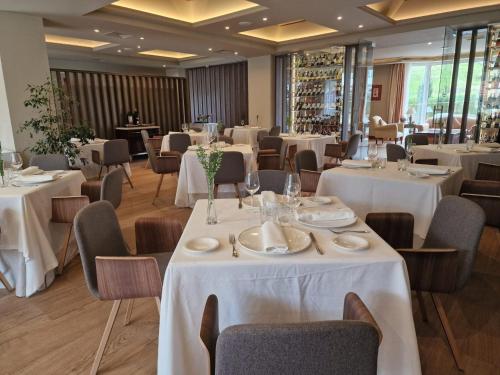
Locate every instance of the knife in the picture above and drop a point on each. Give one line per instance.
(315, 243)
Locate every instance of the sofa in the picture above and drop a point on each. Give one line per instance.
(380, 130)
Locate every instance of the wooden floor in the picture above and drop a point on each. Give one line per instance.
(57, 331)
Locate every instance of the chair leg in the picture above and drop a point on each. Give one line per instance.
(159, 186)
(421, 304)
(5, 282)
(128, 177)
(105, 336)
(62, 254)
(128, 312)
(237, 191)
(100, 173)
(447, 330)
(158, 304)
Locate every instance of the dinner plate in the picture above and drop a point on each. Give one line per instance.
(350, 243)
(315, 201)
(201, 245)
(327, 223)
(251, 240)
(418, 174)
(34, 179)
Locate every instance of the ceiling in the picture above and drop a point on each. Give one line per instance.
(187, 33)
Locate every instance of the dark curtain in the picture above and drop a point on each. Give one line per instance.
(283, 77)
(102, 99)
(220, 91)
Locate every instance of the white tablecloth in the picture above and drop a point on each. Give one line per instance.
(29, 240)
(305, 142)
(298, 288)
(447, 155)
(389, 190)
(192, 183)
(246, 135)
(200, 138)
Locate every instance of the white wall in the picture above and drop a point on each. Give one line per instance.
(261, 91)
(24, 60)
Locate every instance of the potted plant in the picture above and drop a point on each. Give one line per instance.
(53, 121)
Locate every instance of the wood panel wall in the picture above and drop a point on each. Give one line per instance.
(220, 91)
(103, 99)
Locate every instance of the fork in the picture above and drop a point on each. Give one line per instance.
(232, 241)
(348, 231)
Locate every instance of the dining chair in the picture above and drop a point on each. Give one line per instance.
(487, 195)
(155, 143)
(290, 156)
(168, 162)
(275, 131)
(269, 154)
(50, 162)
(226, 139)
(115, 153)
(395, 152)
(444, 262)
(272, 180)
(427, 161)
(261, 134)
(231, 171)
(348, 346)
(417, 139)
(108, 189)
(344, 150)
(110, 272)
(306, 166)
(3, 279)
(489, 172)
(334, 150)
(179, 142)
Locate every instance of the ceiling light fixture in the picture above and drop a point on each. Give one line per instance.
(96, 30)
(227, 27)
(164, 65)
(138, 47)
(339, 18)
(210, 49)
(361, 26)
(264, 19)
(119, 51)
(141, 38)
(235, 52)
(429, 43)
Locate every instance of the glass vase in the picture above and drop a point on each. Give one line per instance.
(211, 213)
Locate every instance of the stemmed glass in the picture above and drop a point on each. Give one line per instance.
(292, 191)
(16, 161)
(372, 152)
(252, 183)
(184, 128)
(212, 132)
(410, 151)
(242, 123)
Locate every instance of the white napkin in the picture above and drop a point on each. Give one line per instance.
(357, 163)
(267, 196)
(427, 170)
(320, 214)
(485, 149)
(490, 145)
(31, 170)
(35, 178)
(273, 238)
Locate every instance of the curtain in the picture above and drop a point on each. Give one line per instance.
(283, 75)
(220, 91)
(102, 99)
(396, 92)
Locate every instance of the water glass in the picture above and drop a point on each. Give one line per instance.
(469, 145)
(410, 151)
(292, 191)
(372, 152)
(381, 163)
(252, 184)
(402, 163)
(5, 179)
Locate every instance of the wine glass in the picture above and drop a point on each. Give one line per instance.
(212, 132)
(372, 152)
(292, 190)
(410, 151)
(184, 127)
(16, 161)
(252, 183)
(242, 123)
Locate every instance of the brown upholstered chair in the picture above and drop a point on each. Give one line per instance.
(109, 188)
(224, 138)
(315, 346)
(168, 162)
(290, 156)
(489, 172)
(306, 165)
(396, 228)
(155, 143)
(417, 139)
(4, 280)
(445, 261)
(155, 234)
(231, 171)
(269, 155)
(179, 142)
(343, 150)
(333, 151)
(427, 161)
(487, 195)
(115, 152)
(261, 134)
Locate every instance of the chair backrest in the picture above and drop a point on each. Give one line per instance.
(487, 195)
(395, 228)
(417, 139)
(271, 143)
(275, 131)
(111, 187)
(97, 233)
(115, 151)
(209, 329)
(272, 180)
(489, 172)
(457, 223)
(179, 142)
(50, 162)
(225, 138)
(232, 168)
(153, 158)
(306, 159)
(395, 152)
(156, 234)
(261, 134)
(319, 348)
(145, 136)
(352, 145)
(427, 161)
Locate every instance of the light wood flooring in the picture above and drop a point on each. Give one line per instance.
(58, 331)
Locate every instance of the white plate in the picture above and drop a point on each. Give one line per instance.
(318, 200)
(34, 179)
(201, 245)
(418, 174)
(251, 240)
(350, 243)
(328, 223)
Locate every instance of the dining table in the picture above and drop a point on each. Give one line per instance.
(457, 155)
(192, 182)
(266, 288)
(29, 240)
(389, 189)
(197, 138)
(315, 142)
(246, 134)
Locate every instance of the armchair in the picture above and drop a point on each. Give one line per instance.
(380, 130)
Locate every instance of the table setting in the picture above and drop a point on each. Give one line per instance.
(315, 142)
(197, 138)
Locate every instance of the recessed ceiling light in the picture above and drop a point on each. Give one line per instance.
(119, 51)
(361, 26)
(141, 38)
(235, 52)
(164, 65)
(227, 27)
(264, 19)
(138, 47)
(339, 18)
(96, 30)
(210, 49)
(429, 43)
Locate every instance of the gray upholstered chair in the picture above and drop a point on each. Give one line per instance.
(348, 346)
(269, 154)
(445, 261)
(395, 152)
(272, 180)
(50, 162)
(344, 150)
(417, 139)
(486, 194)
(489, 172)
(231, 171)
(225, 138)
(275, 131)
(168, 162)
(109, 188)
(110, 272)
(179, 142)
(261, 134)
(306, 165)
(115, 152)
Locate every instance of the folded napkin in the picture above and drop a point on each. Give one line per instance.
(273, 238)
(427, 170)
(321, 214)
(485, 149)
(31, 170)
(35, 178)
(357, 163)
(490, 145)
